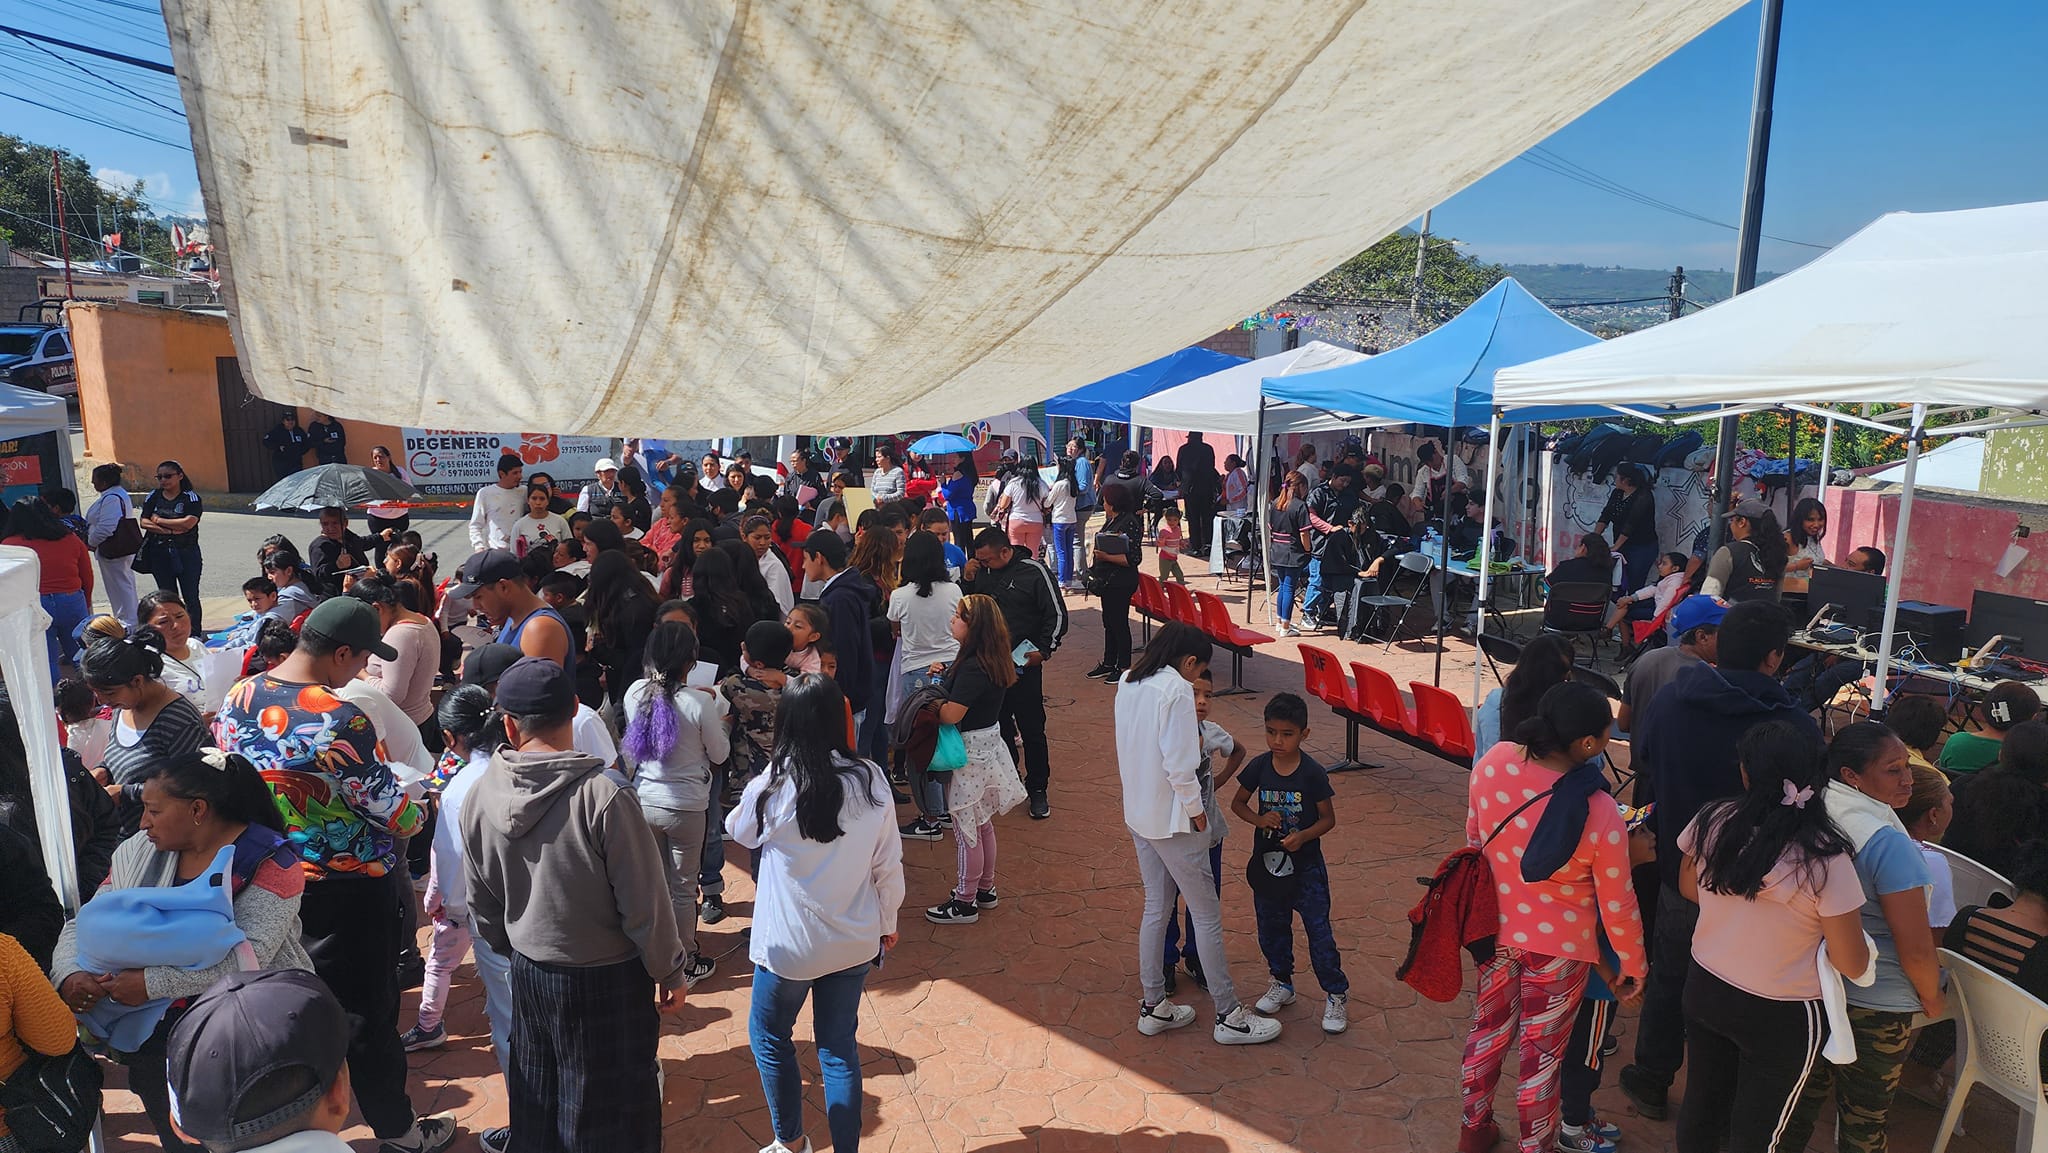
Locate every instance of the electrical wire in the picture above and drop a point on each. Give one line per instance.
(106, 124)
(114, 84)
(1557, 165)
(95, 244)
(89, 98)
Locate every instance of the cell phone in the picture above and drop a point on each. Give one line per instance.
(1023, 651)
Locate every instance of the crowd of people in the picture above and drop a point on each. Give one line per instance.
(745, 661)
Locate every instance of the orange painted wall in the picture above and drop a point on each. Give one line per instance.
(148, 389)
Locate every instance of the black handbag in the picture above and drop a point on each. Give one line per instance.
(51, 1102)
(125, 540)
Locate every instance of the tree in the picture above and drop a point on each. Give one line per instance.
(1370, 301)
(91, 210)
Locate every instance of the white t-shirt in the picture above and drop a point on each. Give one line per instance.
(1941, 903)
(527, 530)
(1022, 507)
(927, 624)
(1065, 508)
(1310, 473)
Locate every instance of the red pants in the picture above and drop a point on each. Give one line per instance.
(1544, 991)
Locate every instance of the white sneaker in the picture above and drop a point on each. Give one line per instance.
(1242, 1028)
(1336, 1013)
(776, 1146)
(1277, 994)
(1163, 1016)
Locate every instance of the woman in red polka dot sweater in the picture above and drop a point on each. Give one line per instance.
(1544, 793)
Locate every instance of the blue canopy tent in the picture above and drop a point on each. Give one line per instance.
(1110, 398)
(1446, 377)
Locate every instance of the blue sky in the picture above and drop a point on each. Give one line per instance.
(1881, 105)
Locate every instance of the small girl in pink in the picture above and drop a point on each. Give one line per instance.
(1548, 778)
(1169, 539)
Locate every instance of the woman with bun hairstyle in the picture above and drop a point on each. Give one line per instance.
(1976, 748)
(152, 721)
(1539, 811)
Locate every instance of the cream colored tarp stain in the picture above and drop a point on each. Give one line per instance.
(690, 218)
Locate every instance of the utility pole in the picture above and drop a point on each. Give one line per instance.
(63, 235)
(1750, 233)
(1677, 292)
(1421, 254)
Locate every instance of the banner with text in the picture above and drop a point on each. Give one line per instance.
(444, 460)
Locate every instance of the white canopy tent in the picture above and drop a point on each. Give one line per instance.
(1958, 465)
(708, 217)
(25, 412)
(1229, 402)
(1945, 311)
(25, 668)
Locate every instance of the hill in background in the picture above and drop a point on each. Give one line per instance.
(1559, 285)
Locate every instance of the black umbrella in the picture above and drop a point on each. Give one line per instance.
(334, 485)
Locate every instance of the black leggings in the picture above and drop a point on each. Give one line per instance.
(1116, 624)
(1748, 1058)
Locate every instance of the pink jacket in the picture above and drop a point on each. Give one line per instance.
(1557, 916)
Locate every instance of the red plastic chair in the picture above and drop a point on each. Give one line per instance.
(1150, 603)
(1323, 676)
(1179, 605)
(1379, 698)
(1215, 620)
(1441, 719)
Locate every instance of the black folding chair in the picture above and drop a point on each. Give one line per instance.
(1577, 608)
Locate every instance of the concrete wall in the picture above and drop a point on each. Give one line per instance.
(17, 287)
(2015, 464)
(149, 390)
(1955, 541)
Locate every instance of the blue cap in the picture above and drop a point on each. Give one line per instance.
(1696, 611)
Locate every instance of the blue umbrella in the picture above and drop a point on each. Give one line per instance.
(941, 442)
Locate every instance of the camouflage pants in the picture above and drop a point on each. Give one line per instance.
(1862, 1090)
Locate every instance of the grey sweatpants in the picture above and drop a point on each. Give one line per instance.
(1179, 866)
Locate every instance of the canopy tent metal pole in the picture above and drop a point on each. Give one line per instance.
(1827, 453)
(1443, 558)
(1485, 556)
(1265, 506)
(1892, 588)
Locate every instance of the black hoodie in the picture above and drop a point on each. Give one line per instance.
(1685, 740)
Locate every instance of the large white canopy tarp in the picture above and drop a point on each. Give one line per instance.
(738, 217)
(1228, 401)
(1945, 308)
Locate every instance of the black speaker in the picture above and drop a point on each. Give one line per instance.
(1937, 630)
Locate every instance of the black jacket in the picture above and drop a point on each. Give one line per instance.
(1029, 597)
(330, 441)
(1685, 739)
(29, 909)
(95, 826)
(846, 601)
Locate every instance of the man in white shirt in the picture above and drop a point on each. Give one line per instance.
(498, 508)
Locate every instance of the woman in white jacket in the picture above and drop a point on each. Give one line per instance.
(1158, 746)
(831, 882)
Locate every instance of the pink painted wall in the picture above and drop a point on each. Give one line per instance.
(1954, 545)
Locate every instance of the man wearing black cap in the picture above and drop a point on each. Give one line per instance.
(1029, 598)
(496, 583)
(343, 807)
(587, 924)
(846, 595)
(258, 1064)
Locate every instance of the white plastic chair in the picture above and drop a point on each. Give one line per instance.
(2002, 1026)
(1975, 884)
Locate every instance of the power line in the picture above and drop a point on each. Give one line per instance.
(131, 61)
(107, 124)
(131, 6)
(92, 99)
(1558, 165)
(97, 246)
(114, 84)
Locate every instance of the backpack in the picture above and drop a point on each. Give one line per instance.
(1458, 910)
(1675, 450)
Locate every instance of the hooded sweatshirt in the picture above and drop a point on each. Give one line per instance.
(563, 868)
(1687, 739)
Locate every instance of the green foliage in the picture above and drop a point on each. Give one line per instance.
(1386, 271)
(90, 209)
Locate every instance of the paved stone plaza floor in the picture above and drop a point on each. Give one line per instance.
(1018, 1033)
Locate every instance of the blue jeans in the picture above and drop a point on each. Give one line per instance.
(1063, 543)
(1275, 921)
(1312, 600)
(67, 611)
(1173, 929)
(835, 1013)
(496, 973)
(1284, 580)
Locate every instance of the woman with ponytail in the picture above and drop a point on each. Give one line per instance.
(198, 807)
(1540, 813)
(1773, 877)
(152, 721)
(674, 735)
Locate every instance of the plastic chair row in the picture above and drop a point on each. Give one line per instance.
(1162, 601)
(1436, 723)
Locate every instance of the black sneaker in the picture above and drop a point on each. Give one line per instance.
(923, 829)
(1040, 807)
(711, 910)
(984, 898)
(953, 912)
(1098, 670)
(429, 1135)
(1650, 1096)
(412, 971)
(696, 969)
(497, 1140)
(1109, 674)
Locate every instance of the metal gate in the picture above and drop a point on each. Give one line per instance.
(244, 418)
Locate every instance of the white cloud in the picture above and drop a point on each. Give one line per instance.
(155, 185)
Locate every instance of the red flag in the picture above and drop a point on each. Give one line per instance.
(178, 239)
(111, 242)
